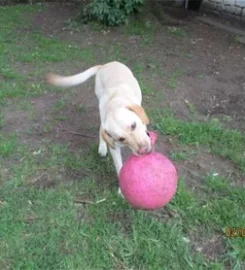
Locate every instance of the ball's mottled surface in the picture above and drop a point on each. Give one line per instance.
(148, 182)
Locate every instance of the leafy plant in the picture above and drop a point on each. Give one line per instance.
(111, 12)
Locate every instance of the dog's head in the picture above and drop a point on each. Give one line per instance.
(127, 126)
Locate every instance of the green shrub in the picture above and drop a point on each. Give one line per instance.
(14, 2)
(111, 12)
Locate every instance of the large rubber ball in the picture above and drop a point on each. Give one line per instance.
(148, 182)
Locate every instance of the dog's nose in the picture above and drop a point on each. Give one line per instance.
(142, 150)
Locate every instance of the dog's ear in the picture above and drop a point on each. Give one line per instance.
(140, 112)
(108, 139)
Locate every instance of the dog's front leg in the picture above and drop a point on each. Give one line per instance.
(102, 145)
(117, 159)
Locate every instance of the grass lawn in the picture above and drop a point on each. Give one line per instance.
(59, 207)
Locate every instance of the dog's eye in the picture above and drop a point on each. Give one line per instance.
(133, 126)
(121, 139)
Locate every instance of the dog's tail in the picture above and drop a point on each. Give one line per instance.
(68, 81)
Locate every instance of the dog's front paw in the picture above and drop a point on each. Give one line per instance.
(119, 192)
(103, 149)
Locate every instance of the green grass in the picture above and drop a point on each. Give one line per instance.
(113, 52)
(80, 108)
(7, 145)
(229, 200)
(21, 89)
(9, 74)
(221, 208)
(32, 49)
(62, 240)
(178, 155)
(176, 31)
(226, 143)
(191, 107)
(145, 87)
(13, 16)
(46, 49)
(41, 226)
(173, 78)
(140, 27)
(144, 29)
(138, 68)
(60, 104)
(1, 121)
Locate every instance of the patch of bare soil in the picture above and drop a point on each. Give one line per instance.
(194, 170)
(212, 247)
(51, 20)
(211, 62)
(79, 116)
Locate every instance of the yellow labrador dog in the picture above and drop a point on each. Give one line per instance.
(123, 120)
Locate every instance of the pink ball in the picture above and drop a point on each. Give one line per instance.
(148, 182)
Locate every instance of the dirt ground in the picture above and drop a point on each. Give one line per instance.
(214, 79)
(204, 66)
